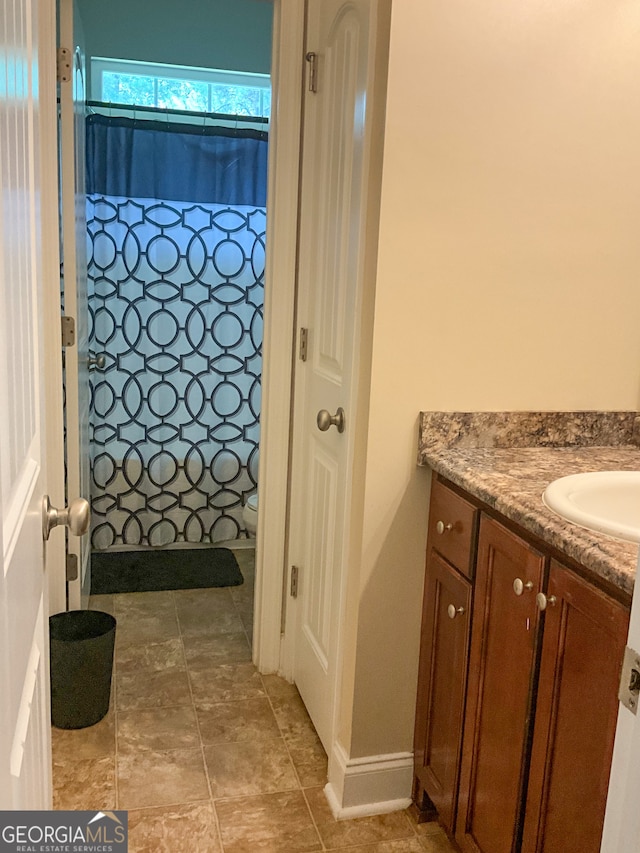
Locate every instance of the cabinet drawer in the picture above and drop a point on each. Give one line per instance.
(452, 525)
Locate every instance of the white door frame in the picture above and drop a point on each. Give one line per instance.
(271, 654)
(52, 357)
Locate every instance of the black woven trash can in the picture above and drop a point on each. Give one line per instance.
(81, 643)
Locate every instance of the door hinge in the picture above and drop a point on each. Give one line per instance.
(304, 344)
(63, 64)
(68, 331)
(293, 589)
(72, 567)
(312, 59)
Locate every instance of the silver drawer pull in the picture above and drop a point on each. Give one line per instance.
(519, 586)
(544, 601)
(453, 611)
(441, 527)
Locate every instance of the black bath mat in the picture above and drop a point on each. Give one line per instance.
(153, 570)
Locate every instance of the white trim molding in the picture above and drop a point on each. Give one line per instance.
(279, 314)
(374, 784)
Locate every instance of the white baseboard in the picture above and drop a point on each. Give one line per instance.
(375, 784)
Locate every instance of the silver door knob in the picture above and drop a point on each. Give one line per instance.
(98, 361)
(453, 611)
(441, 527)
(77, 517)
(325, 420)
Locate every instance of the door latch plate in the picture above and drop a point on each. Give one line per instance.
(629, 693)
(72, 567)
(293, 589)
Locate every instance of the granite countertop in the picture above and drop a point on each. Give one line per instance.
(506, 460)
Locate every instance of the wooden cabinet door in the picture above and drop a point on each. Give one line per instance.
(584, 638)
(501, 668)
(441, 687)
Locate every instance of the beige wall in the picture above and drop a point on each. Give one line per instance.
(507, 273)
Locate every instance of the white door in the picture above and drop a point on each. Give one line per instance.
(74, 257)
(28, 259)
(341, 46)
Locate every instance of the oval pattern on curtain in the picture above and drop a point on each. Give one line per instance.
(176, 220)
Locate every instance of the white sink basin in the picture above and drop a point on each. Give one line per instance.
(606, 501)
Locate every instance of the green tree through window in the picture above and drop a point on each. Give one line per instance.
(170, 87)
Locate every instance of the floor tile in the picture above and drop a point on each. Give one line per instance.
(210, 624)
(144, 603)
(157, 729)
(279, 688)
(152, 689)
(190, 827)
(246, 558)
(106, 603)
(206, 652)
(209, 600)
(153, 656)
(271, 823)
(161, 777)
(248, 627)
(150, 675)
(87, 784)
(309, 759)
(145, 617)
(207, 612)
(230, 722)
(96, 741)
(292, 716)
(337, 834)
(437, 843)
(429, 827)
(241, 769)
(243, 596)
(405, 845)
(227, 683)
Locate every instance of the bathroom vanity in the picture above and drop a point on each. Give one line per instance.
(523, 634)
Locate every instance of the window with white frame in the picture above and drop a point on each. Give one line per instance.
(150, 84)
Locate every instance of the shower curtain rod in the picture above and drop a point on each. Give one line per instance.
(134, 108)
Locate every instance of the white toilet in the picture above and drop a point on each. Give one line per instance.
(250, 514)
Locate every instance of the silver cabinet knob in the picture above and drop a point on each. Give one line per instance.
(77, 517)
(98, 361)
(519, 586)
(453, 611)
(325, 420)
(543, 601)
(441, 527)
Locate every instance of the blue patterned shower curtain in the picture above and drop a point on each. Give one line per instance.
(176, 246)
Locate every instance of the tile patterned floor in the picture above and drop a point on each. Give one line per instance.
(207, 755)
